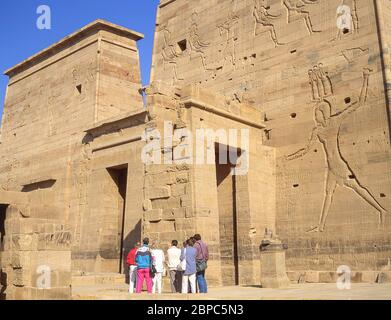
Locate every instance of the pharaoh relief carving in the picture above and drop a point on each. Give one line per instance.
(25, 115)
(264, 21)
(76, 76)
(11, 164)
(321, 86)
(227, 29)
(80, 183)
(21, 113)
(170, 55)
(53, 97)
(297, 10)
(339, 173)
(91, 71)
(82, 79)
(196, 44)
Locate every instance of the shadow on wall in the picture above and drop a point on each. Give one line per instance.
(39, 185)
(128, 243)
(3, 282)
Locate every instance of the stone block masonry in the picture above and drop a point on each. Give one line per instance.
(307, 100)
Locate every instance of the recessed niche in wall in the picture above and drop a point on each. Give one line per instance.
(79, 88)
(347, 100)
(293, 115)
(182, 45)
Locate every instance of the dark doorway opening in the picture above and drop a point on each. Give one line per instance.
(120, 176)
(3, 209)
(3, 276)
(226, 191)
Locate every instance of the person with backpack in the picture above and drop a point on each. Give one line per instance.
(201, 263)
(132, 267)
(144, 265)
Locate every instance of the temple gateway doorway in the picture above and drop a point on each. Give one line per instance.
(227, 206)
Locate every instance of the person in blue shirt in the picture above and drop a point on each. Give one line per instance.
(143, 260)
(189, 275)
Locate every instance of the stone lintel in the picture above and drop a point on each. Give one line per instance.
(191, 102)
(118, 122)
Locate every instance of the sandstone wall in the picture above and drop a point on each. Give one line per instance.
(112, 222)
(284, 58)
(52, 99)
(184, 194)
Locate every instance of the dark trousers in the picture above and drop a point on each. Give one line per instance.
(176, 281)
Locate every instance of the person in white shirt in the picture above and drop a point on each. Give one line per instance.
(158, 261)
(174, 255)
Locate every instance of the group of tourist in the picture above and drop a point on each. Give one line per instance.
(185, 265)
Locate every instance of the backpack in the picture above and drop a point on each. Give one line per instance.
(152, 268)
(201, 265)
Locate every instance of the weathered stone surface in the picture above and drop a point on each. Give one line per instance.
(168, 215)
(152, 180)
(158, 193)
(273, 270)
(154, 215)
(147, 204)
(311, 98)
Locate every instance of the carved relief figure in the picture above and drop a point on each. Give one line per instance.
(297, 11)
(50, 113)
(354, 53)
(227, 28)
(25, 115)
(339, 173)
(170, 55)
(320, 83)
(91, 71)
(314, 85)
(12, 164)
(264, 21)
(196, 44)
(75, 76)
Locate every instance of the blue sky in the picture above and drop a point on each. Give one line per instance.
(20, 38)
